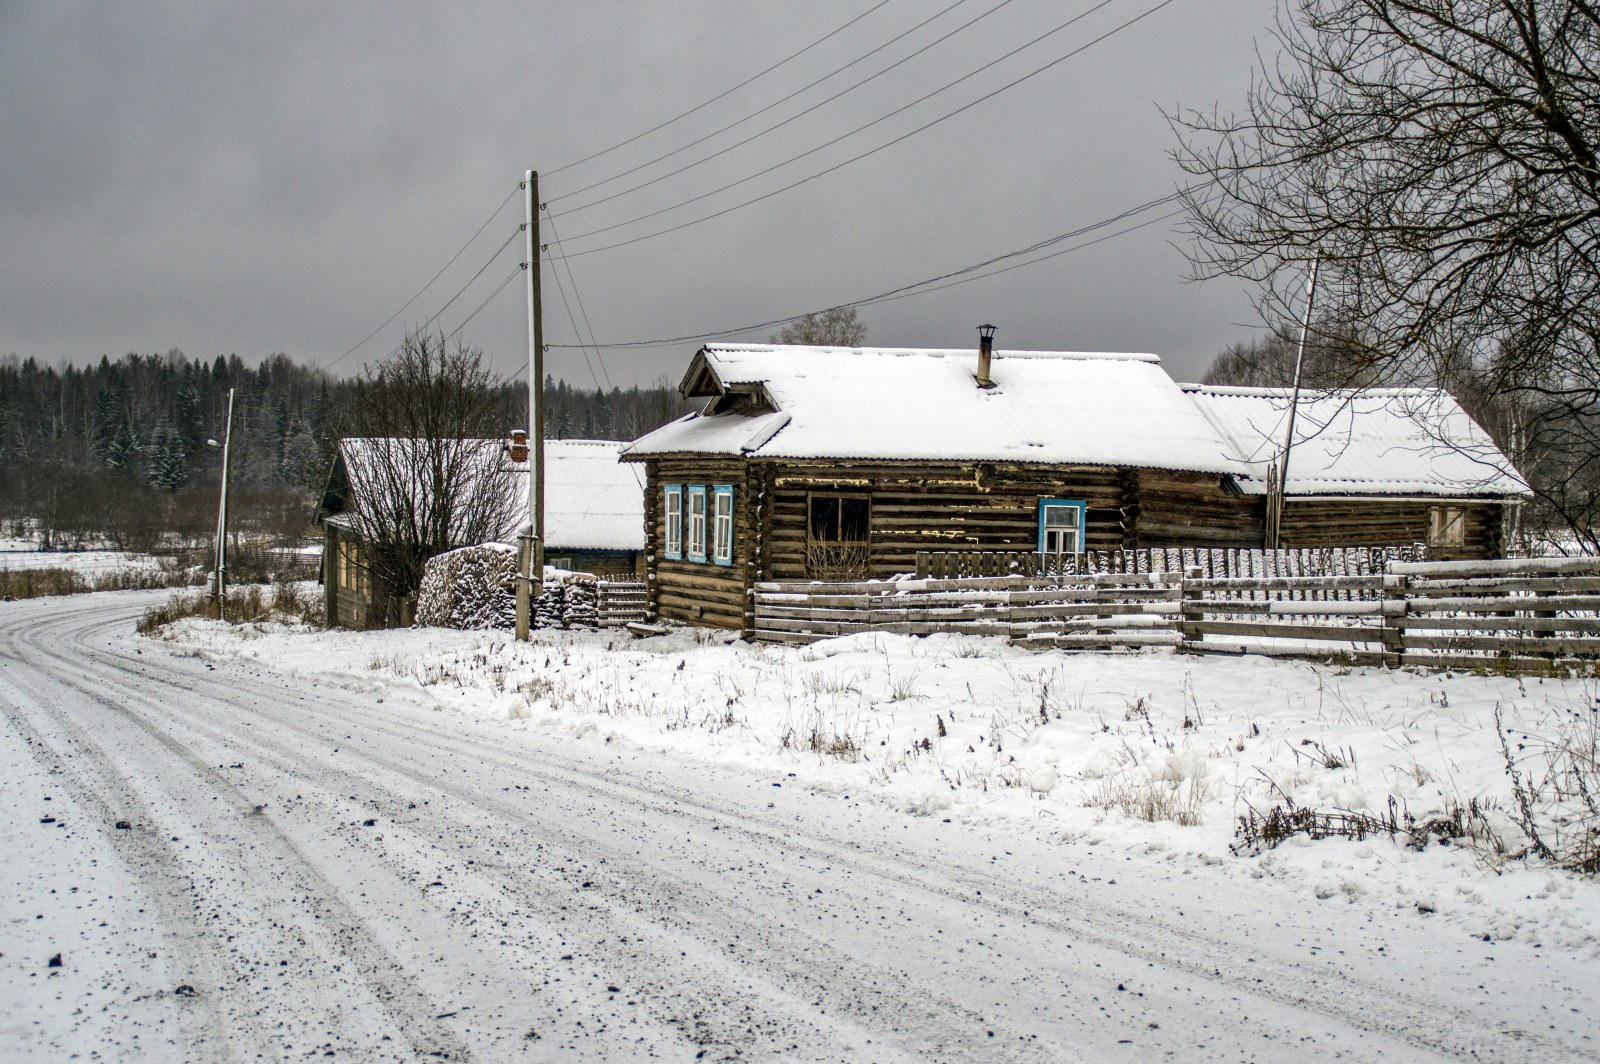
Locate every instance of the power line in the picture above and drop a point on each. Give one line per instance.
(958, 276)
(857, 158)
(845, 136)
(571, 277)
(436, 314)
(770, 106)
(719, 96)
(424, 288)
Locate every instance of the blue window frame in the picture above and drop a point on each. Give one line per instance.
(722, 524)
(672, 509)
(1061, 526)
(695, 549)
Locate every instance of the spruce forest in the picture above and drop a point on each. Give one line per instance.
(116, 452)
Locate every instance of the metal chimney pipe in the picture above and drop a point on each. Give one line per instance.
(985, 349)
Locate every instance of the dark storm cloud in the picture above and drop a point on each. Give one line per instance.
(263, 177)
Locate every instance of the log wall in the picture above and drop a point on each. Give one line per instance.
(701, 592)
(1380, 522)
(984, 506)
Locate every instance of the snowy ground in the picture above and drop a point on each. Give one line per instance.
(388, 843)
(22, 554)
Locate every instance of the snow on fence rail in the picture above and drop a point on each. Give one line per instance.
(1088, 611)
(1519, 615)
(1212, 561)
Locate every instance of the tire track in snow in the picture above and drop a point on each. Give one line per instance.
(1372, 1007)
(405, 1006)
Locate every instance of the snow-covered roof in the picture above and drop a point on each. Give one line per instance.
(592, 501)
(1383, 441)
(913, 404)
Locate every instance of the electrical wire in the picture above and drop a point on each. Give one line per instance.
(856, 158)
(572, 278)
(958, 276)
(770, 106)
(719, 96)
(461, 251)
(438, 313)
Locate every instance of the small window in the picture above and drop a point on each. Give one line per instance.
(1447, 526)
(673, 499)
(697, 522)
(837, 535)
(722, 524)
(1061, 526)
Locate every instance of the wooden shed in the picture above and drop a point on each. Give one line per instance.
(594, 518)
(844, 463)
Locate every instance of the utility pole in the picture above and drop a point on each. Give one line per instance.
(222, 514)
(1275, 513)
(530, 541)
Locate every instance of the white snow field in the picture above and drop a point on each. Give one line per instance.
(442, 845)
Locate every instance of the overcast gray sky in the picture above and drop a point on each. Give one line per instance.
(268, 177)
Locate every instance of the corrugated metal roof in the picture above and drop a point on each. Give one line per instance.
(1373, 441)
(1064, 408)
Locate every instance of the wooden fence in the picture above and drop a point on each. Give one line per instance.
(1089, 611)
(620, 602)
(1520, 615)
(1212, 561)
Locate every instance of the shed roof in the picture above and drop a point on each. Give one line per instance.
(1077, 408)
(1369, 441)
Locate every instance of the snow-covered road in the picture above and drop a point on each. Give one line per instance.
(306, 869)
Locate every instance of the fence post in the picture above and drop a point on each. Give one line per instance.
(1189, 593)
(1392, 621)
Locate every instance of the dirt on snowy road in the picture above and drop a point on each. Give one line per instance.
(233, 863)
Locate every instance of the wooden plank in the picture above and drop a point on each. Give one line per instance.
(1519, 566)
(1568, 584)
(798, 638)
(1523, 603)
(1288, 583)
(1515, 665)
(1353, 657)
(1280, 608)
(1337, 633)
(1534, 647)
(1575, 625)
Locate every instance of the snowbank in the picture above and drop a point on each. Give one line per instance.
(1156, 753)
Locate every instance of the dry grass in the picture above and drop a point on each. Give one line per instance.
(287, 602)
(38, 583)
(1179, 801)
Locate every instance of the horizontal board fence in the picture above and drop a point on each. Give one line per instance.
(620, 602)
(1089, 611)
(1212, 561)
(1524, 615)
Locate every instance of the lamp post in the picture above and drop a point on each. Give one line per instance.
(220, 578)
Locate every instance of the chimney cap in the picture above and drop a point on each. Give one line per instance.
(987, 331)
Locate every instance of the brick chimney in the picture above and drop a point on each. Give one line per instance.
(985, 349)
(519, 445)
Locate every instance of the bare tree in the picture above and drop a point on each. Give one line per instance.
(1335, 358)
(1440, 158)
(839, 327)
(422, 445)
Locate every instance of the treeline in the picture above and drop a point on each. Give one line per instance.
(117, 451)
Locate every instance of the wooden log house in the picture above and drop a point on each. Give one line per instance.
(816, 463)
(593, 515)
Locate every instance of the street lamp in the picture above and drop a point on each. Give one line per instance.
(220, 577)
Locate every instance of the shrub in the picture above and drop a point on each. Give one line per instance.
(1555, 783)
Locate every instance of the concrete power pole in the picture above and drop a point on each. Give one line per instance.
(1280, 476)
(530, 542)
